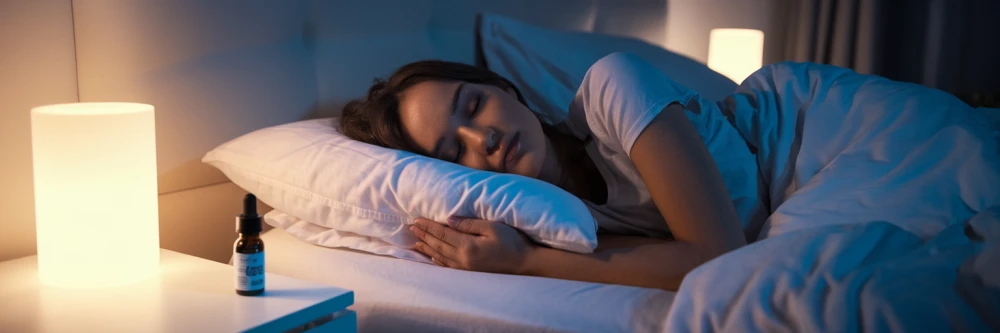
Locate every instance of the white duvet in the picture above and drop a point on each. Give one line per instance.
(870, 182)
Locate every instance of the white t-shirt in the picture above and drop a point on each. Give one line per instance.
(619, 96)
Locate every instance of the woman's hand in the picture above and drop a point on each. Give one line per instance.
(475, 245)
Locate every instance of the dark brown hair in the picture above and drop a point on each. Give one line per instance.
(375, 120)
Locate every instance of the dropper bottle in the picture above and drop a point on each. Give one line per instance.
(248, 252)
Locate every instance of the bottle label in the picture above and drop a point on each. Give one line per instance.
(249, 271)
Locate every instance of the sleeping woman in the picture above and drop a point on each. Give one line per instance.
(634, 146)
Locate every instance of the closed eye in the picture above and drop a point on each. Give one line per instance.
(476, 106)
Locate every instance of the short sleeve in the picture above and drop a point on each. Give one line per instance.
(621, 94)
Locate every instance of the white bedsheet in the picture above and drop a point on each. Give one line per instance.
(870, 181)
(393, 295)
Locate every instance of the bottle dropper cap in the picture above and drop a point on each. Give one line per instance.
(249, 221)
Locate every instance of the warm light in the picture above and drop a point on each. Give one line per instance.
(736, 53)
(95, 193)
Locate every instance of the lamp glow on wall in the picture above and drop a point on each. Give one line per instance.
(96, 209)
(736, 53)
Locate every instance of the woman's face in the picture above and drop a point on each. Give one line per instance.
(480, 126)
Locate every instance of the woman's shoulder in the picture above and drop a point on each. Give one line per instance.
(604, 93)
(616, 64)
(619, 96)
(624, 78)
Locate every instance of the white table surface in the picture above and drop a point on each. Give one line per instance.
(189, 295)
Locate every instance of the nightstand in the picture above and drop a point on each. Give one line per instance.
(189, 294)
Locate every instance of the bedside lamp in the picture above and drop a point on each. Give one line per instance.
(96, 209)
(736, 53)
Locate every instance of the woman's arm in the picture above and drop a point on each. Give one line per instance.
(616, 241)
(660, 265)
(689, 192)
(488, 246)
(685, 185)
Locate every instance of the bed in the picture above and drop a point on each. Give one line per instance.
(217, 70)
(394, 294)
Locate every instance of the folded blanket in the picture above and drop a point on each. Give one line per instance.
(838, 147)
(871, 182)
(871, 277)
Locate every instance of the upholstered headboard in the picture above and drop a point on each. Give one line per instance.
(217, 69)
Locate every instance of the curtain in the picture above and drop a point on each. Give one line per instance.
(952, 45)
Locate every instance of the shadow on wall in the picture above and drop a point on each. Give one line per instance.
(224, 95)
(326, 110)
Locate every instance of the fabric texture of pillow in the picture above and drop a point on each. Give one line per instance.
(326, 237)
(312, 172)
(548, 65)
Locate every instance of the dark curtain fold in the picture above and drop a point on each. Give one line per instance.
(952, 45)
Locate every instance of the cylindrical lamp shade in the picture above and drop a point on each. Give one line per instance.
(96, 211)
(736, 53)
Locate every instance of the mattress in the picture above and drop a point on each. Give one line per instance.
(399, 295)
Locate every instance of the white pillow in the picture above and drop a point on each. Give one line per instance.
(309, 170)
(322, 236)
(548, 65)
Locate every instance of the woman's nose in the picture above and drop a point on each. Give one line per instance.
(483, 141)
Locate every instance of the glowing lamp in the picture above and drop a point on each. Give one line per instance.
(736, 53)
(96, 210)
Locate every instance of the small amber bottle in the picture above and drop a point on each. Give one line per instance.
(248, 252)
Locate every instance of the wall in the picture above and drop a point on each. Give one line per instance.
(690, 21)
(37, 67)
